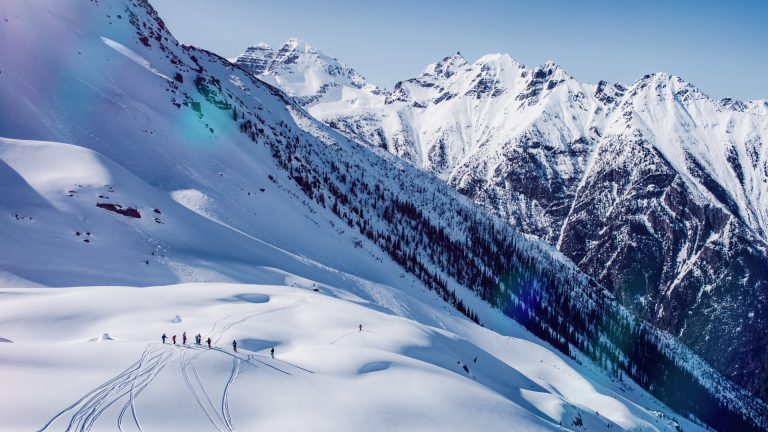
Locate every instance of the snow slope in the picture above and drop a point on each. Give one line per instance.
(402, 371)
(132, 160)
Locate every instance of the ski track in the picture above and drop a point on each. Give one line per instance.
(135, 395)
(132, 397)
(208, 409)
(269, 365)
(348, 334)
(96, 407)
(249, 358)
(93, 404)
(217, 334)
(225, 396)
(342, 337)
(282, 361)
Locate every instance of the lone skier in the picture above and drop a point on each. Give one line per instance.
(234, 345)
(272, 352)
(209, 343)
(360, 328)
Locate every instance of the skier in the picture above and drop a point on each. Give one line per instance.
(198, 339)
(272, 352)
(174, 339)
(184, 338)
(234, 345)
(164, 337)
(360, 328)
(209, 343)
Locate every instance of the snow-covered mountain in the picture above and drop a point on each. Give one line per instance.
(132, 160)
(654, 189)
(308, 75)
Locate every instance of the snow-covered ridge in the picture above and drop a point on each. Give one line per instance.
(653, 188)
(437, 121)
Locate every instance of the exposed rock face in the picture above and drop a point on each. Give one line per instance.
(256, 59)
(305, 73)
(682, 263)
(656, 190)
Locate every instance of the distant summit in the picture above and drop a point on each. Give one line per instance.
(305, 73)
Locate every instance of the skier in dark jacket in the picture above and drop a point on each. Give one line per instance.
(164, 337)
(184, 338)
(174, 339)
(209, 342)
(234, 345)
(272, 351)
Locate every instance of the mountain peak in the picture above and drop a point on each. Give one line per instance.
(446, 67)
(550, 72)
(256, 58)
(304, 72)
(554, 67)
(667, 83)
(296, 44)
(499, 58)
(663, 77)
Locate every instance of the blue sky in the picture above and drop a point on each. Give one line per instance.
(721, 47)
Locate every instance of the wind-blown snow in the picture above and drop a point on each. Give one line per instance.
(136, 58)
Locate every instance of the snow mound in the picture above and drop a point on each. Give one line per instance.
(374, 367)
(196, 201)
(250, 298)
(256, 345)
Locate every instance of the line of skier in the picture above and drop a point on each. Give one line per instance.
(199, 341)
